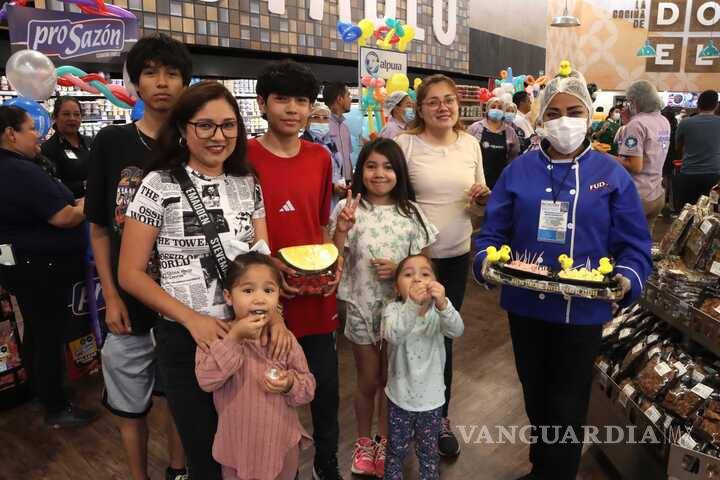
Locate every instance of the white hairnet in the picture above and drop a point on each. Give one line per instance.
(393, 100)
(573, 85)
(496, 100)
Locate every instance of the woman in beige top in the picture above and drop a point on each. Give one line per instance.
(446, 171)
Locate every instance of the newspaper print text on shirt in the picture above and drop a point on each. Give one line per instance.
(187, 271)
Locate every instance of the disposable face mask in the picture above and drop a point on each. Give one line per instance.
(565, 134)
(495, 114)
(319, 129)
(510, 117)
(409, 114)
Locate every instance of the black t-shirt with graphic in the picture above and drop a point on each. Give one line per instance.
(494, 154)
(118, 158)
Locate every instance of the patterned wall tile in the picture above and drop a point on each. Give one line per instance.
(249, 24)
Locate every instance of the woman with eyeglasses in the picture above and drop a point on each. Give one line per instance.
(67, 148)
(205, 137)
(446, 170)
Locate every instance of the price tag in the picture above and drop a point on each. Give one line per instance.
(626, 393)
(706, 226)
(715, 268)
(653, 338)
(680, 368)
(697, 376)
(653, 414)
(625, 332)
(668, 422)
(702, 390)
(687, 441)
(637, 348)
(654, 351)
(603, 366)
(663, 369)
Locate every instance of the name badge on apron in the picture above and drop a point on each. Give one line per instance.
(70, 154)
(552, 227)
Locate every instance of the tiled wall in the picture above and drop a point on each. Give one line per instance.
(248, 24)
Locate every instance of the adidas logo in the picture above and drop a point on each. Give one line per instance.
(288, 207)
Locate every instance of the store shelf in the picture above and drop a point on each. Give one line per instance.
(695, 324)
(632, 460)
(471, 119)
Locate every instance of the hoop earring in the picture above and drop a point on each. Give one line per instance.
(182, 142)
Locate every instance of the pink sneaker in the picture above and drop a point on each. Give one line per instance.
(364, 457)
(380, 457)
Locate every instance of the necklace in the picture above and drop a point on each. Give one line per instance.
(140, 136)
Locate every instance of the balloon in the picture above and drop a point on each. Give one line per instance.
(507, 87)
(138, 111)
(413, 95)
(509, 75)
(379, 95)
(367, 28)
(416, 83)
(519, 84)
(36, 111)
(366, 80)
(503, 74)
(94, 83)
(99, 7)
(348, 32)
(506, 97)
(399, 82)
(530, 79)
(31, 74)
(129, 86)
(498, 92)
(377, 83)
(484, 95)
(406, 39)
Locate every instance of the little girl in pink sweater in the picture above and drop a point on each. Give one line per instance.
(259, 434)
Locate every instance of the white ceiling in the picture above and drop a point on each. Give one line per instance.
(523, 20)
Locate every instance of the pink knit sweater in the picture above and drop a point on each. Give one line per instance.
(255, 428)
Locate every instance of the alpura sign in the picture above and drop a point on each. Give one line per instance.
(442, 11)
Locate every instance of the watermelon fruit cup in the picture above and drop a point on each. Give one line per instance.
(314, 264)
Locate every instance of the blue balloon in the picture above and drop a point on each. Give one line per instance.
(138, 111)
(36, 111)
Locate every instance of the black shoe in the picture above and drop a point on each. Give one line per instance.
(326, 469)
(70, 416)
(172, 474)
(447, 443)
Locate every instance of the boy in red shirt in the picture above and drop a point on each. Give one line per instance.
(296, 178)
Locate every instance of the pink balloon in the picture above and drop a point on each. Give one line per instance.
(366, 80)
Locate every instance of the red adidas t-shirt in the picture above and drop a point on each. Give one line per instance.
(297, 193)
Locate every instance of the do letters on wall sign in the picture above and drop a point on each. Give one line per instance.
(680, 27)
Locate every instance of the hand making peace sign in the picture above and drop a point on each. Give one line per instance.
(346, 219)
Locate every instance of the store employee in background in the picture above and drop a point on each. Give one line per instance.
(337, 97)
(67, 148)
(400, 110)
(44, 225)
(564, 198)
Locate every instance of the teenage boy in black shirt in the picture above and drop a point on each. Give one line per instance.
(160, 69)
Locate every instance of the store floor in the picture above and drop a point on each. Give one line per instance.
(486, 393)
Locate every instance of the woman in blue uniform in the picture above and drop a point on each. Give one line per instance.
(563, 198)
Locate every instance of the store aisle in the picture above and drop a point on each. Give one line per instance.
(486, 393)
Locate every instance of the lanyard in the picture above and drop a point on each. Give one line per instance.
(556, 195)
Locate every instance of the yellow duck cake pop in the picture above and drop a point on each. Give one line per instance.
(493, 256)
(505, 253)
(565, 69)
(605, 267)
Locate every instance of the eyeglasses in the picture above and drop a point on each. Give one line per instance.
(206, 130)
(434, 103)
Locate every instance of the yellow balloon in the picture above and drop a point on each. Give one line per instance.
(399, 82)
(417, 83)
(407, 38)
(367, 27)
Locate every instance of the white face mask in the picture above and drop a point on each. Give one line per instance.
(565, 134)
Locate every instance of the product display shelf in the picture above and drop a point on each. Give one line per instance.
(670, 460)
(636, 460)
(695, 324)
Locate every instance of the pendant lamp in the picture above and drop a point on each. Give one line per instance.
(565, 20)
(646, 51)
(709, 51)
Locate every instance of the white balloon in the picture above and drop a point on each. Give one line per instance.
(508, 88)
(129, 86)
(497, 92)
(507, 98)
(31, 74)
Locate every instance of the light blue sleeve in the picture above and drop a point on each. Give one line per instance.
(399, 320)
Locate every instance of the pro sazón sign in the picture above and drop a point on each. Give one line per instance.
(68, 36)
